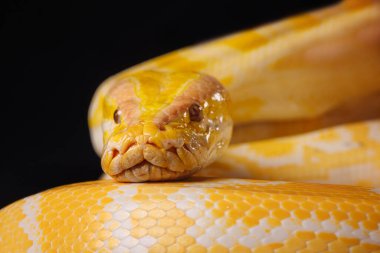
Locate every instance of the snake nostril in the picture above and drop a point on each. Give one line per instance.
(172, 149)
(115, 152)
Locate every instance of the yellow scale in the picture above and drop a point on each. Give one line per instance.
(287, 77)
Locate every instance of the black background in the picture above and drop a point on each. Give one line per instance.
(54, 55)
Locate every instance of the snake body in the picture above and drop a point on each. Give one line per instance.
(171, 117)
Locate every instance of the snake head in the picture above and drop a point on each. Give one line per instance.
(163, 126)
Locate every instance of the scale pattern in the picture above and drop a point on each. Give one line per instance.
(338, 155)
(214, 215)
(307, 54)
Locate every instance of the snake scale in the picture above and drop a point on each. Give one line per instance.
(303, 95)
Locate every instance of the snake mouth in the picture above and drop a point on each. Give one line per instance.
(146, 171)
(148, 162)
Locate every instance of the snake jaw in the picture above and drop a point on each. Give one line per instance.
(138, 162)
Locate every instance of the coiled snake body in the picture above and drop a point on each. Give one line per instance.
(171, 117)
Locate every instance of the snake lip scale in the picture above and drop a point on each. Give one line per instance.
(141, 171)
(133, 162)
(151, 170)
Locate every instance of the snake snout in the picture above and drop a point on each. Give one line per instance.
(143, 159)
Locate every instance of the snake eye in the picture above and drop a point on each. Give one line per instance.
(117, 116)
(195, 112)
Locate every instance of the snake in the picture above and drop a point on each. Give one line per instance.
(298, 99)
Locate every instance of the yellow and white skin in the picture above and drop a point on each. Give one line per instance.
(169, 117)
